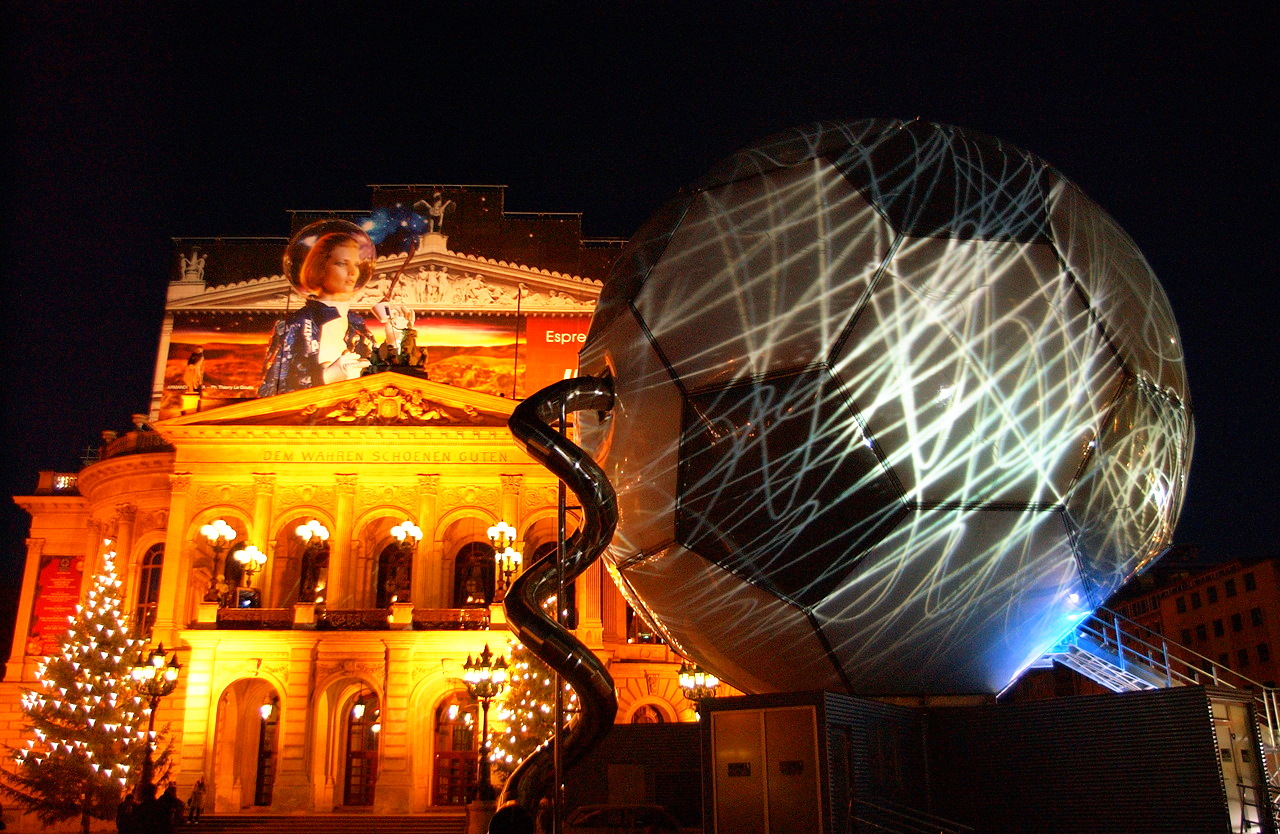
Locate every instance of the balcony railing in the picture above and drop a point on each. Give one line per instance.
(353, 619)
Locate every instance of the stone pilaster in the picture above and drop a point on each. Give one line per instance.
(177, 562)
(340, 592)
(264, 487)
(394, 794)
(426, 565)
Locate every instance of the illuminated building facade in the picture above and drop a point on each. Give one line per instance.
(330, 676)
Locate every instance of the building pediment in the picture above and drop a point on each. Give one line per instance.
(434, 281)
(393, 398)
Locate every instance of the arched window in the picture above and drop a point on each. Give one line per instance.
(456, 745)
(473, 570)
(395, 565)
(144, 616)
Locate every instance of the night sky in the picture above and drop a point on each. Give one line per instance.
(133, 123)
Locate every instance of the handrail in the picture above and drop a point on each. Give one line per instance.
(1122, 634)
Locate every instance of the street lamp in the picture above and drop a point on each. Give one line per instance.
(698, 685)
(313, 535)
(219, 535)
(154, 679)
(502, 535)
(485, 679)
(251, 559)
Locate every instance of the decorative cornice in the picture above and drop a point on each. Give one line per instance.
(143, 463)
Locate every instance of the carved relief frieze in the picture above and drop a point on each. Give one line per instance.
(541, 496)
(391, 405)
(264, 482)
(474, 496)
(319, 496)
(429, 484)
(205, 495)
(180, 482)
(348, 668)
(403, 496)
(435, 285)
(153, 520)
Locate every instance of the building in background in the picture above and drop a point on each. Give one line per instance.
(330, 677)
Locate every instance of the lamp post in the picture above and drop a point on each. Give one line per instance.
(313, 535)
(219, 534)
(485, 679)
(252, 559)
(407, 534)
(698, 685)
(502, 535)
(154, 679)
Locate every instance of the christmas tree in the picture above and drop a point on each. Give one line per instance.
(87, 727)
(529, 706)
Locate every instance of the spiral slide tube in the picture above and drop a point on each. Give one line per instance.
(530, 423)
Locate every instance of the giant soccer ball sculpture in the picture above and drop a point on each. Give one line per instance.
(895, 406)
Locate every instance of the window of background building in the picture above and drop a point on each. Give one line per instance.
(1186, 637)
(1201, 633)
(1237, 622)
(1230, 587)
(1255, 615)
(1264, 653)
(1182, 605)
(1211, 593)
(144, 616)
(1242, 657)
(1224, 659)
(1218, 630)
(1250, 584)
(1195, 600)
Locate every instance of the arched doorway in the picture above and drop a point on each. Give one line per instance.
(473, 575)
(395, 567)
(456, 731)
(363, 726)
(245, 746)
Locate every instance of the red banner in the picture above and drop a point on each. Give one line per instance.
(57, 593)
(551, 350)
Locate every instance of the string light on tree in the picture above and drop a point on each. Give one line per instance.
(528, 709)
(85, 725)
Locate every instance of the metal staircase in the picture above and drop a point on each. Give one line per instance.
(1126, 656)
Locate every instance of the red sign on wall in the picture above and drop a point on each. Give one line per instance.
(551, 349)
(57, 593)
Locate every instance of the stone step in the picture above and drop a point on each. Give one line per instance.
(445, 822)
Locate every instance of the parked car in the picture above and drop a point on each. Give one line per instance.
(621, 819)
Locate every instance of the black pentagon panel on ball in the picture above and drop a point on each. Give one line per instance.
(632, 267)
(1126, 501)
(942, 181)
(777, 487)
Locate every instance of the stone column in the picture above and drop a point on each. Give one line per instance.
(340, 591)
(590, 612)
(264, 487)
(14, 669)
(177, 562)
(162, 358)
(509, 505)
(292, 791)
(126, 515)
(426, 564)
(394, 794)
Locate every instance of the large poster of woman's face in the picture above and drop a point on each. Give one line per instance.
(474, 352)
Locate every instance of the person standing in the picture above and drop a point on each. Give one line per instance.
(195, 804)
